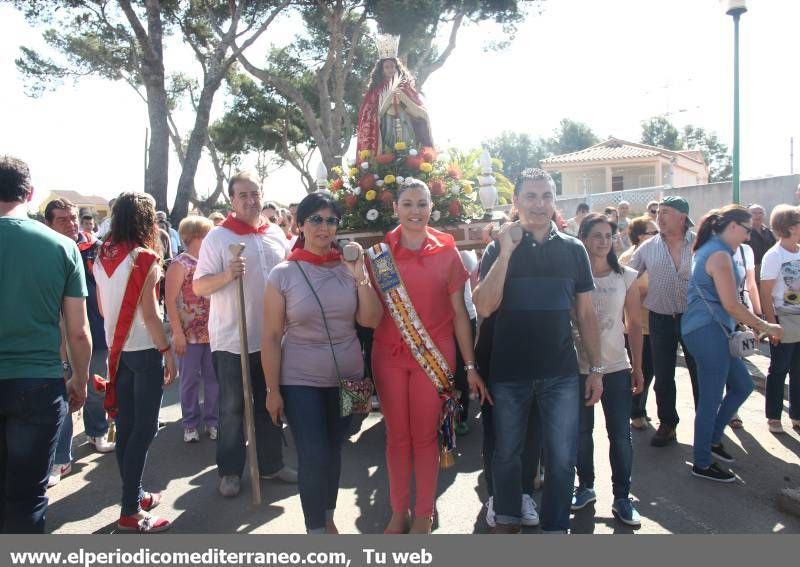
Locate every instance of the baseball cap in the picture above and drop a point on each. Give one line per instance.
(678, 203)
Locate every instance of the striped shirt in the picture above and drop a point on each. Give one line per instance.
(668, 287)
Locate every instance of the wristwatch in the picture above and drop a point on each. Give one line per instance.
(65, 366)
(597, 370)
(469, 366)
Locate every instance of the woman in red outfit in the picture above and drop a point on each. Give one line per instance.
(431, 291)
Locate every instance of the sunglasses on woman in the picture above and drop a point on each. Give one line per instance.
(651, 233)
(317, 220)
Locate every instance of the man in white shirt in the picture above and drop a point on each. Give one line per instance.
(217, 270)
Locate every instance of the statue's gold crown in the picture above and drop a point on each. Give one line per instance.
(387, 45)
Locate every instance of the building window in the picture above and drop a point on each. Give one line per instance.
(616, 183)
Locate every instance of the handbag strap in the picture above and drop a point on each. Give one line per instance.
(324, 319)
(713, 315)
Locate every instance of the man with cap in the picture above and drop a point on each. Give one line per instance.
(667, 258)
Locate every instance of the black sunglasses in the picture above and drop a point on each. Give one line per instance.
(747, 228)
(651, 233)
(318, 220)
(653, 211)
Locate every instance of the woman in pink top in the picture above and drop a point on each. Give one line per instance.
(434, 277)
(188, 316)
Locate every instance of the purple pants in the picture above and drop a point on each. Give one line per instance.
(196, 369)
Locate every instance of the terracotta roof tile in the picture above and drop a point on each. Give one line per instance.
(615, 149)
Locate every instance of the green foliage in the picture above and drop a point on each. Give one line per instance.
(570, 136)
(720, 165)
(516, 151)
(658, 131)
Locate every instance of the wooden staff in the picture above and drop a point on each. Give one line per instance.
(249, 419)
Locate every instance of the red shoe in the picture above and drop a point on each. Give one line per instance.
(150, 500)
(147, 525)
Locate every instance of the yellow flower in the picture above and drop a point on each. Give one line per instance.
(389, 179)
(425, 167)
(371, 194)
(364, 154)
(400, 146)
(353, 171)
(468, 189)
(336, 169)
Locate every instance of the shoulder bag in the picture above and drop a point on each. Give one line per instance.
(740, 343)
(355, 396)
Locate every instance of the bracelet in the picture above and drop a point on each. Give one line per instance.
(363, 282)
(469, 366)
(165, 349)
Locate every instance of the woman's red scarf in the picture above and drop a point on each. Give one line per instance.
(300, 254)
(111, 256)
(435, 242)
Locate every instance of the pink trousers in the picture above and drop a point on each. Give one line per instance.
(411, 409)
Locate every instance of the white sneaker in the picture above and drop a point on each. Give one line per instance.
(57, 472)
(102, 444)
(213, 432)
(491, 520)
(190, 435)
(529, 515)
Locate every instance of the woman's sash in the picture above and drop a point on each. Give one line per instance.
(130, 301)
(418, 341)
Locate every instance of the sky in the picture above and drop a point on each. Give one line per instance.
(610, 64)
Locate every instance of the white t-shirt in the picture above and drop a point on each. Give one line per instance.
(110, 291)
(470, 260)
(784, 267)
(262, 252)
(742, 265)
(608, 298)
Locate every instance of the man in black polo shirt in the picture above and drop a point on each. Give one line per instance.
(533, 285)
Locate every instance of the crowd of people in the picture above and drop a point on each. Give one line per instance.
(555, 317)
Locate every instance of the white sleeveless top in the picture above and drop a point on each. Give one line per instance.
(110, 292)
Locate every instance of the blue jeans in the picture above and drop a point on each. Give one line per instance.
(557, 399)
(140, 383)
(31, 412)
(717, 369)
(639, 403)
(94, 415)
(318, 431)
(231, 452)
(616, 402)
(531, 453)
(784, 359)
(665, 335)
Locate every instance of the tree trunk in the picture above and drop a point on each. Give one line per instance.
(194, 150)
(157, 174)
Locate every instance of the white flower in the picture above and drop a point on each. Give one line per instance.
(356, 191)
(455, 189)
(372, 215)
(436, 215)
(376, 176)
(399, 180)
(412, 152)
(379, 183)
(365, 165)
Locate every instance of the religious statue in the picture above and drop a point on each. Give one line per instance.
(392, 110)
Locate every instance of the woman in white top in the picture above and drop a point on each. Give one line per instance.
(614, 295)
(140, 360)
(780, 288)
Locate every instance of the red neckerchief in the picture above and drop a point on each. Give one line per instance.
(300, 254)
(435, 243)
(112, 254)
(88, 241)
(242, 228)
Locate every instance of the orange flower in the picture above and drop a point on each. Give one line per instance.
(454, 172)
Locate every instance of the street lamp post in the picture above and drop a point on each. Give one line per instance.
(736, 8)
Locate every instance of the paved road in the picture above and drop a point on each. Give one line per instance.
(669, 499)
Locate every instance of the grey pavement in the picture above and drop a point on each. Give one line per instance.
(669, 499)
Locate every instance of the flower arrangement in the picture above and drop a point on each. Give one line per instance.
(367, 188)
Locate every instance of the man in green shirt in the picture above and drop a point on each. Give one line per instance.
(42, 280)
